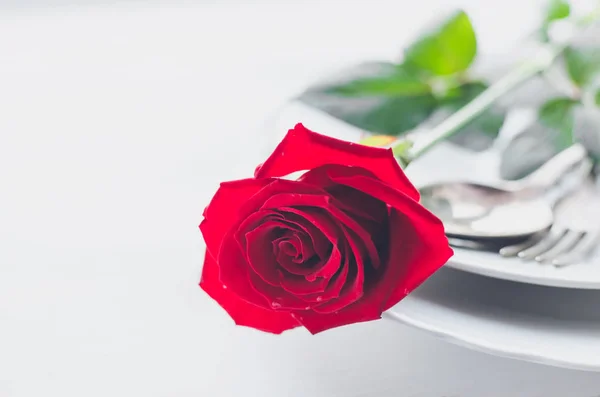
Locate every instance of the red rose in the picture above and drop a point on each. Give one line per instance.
(341, 244)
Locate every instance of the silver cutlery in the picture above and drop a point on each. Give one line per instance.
(508, 209)
(571, 240)
(560, 247)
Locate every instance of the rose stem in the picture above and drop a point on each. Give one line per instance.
(523, 72)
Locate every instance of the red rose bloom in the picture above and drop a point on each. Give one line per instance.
(344, 242)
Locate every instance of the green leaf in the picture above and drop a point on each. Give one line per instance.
(550, 134)
(448, 49)
(402, 148)
(395, 82)
(383, 112)
(391, 115)
(480, 133)
(402, 152)
(557, 115)
(557, 9)
(582, 64)
(597, 98)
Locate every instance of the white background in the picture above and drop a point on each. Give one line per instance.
(117, 121)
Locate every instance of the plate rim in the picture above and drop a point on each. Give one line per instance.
(477, 344)
(514, 334)
(459, 262)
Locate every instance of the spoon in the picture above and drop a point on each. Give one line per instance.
(507, 209)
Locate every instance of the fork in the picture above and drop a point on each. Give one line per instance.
(561, 246)
(572, 238)
(569, 241)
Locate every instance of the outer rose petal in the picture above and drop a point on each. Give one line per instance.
(425, 251)
(376, 294)
(351, 200)
(302, 149)
(222, 212)
(429, 250)
(277, 186)
(242, 312)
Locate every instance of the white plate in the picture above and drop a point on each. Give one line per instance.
(558, 327)
(426, 170)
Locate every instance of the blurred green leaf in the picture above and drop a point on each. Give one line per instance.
(372, 107)
(397, 81)
(536, 144)
(392, 115)
(557, 115)
(480, 133)
(402, 148)
(597, 98)
(557, 9)
(402, 151)
(448, 49)
(582, 64)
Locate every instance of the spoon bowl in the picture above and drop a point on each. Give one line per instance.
(515, 209)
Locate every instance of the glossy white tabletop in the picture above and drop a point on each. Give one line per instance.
(116, 124)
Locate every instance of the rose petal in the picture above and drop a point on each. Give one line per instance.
(302, 149)
(369, 307)
(222, 214)
(335, 285)
(234, 270)
(320, 244)
(294, 268)
(424, 252)
(278, 298)
(330, 267)
(351, 200)
(289, 246)
(362, 235)
(400, 276)
(254, 220)
(429, 250)
(327, 225)
(304, 247)
(242, 312)
(259, 252)
(297, 285)
(276, 186)
(353, 289)
(287, 202)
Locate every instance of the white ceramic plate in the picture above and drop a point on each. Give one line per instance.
(553, 326)
(426, 170)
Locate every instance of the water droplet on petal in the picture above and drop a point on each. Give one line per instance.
(319, 299)
(224, 286)
(275, 305)
(307, 308)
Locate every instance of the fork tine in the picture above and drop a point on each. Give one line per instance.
(565, 244)
(513, 250)
(553, 236)
(587, 243)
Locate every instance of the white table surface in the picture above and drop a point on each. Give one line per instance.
(117, 121)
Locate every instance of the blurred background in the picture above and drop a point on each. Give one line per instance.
(118, 119)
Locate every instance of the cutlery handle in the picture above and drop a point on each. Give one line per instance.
(570, 183)
(551, 172)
